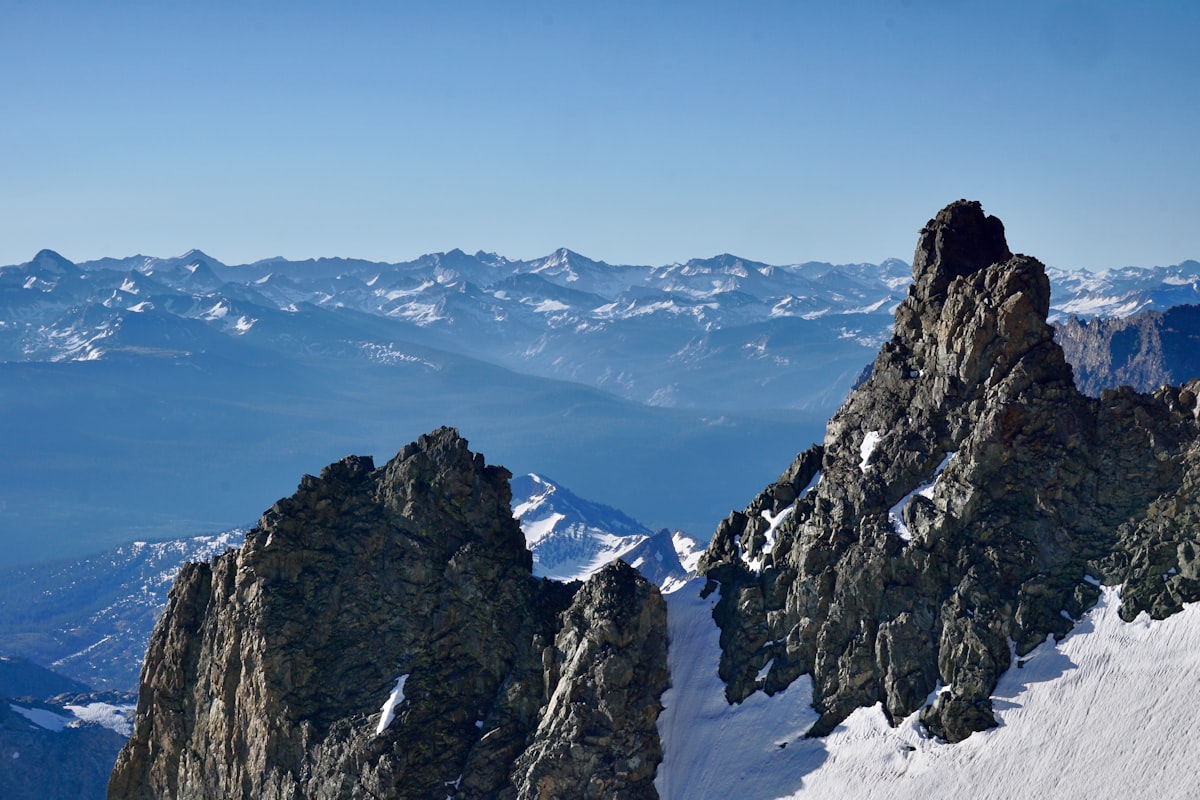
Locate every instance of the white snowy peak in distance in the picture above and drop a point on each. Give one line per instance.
(571, 538)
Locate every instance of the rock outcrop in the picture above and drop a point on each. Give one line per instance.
(597, 737)
(380, 635)
(963, 505)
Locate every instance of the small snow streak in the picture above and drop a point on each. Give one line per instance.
(896, 512)
(869, 443)
(388, 712)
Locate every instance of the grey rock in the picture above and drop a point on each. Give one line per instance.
(268, 673)
(967, 488)
(597, 736)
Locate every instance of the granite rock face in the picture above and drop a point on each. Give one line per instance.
(380, 635)
(963, 502)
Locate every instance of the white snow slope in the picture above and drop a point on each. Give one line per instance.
(1110, 711)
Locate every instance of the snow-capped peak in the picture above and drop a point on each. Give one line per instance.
(571, 538)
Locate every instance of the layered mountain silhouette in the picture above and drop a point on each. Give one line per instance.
(1143, 351)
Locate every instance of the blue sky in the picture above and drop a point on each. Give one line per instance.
(643, 132)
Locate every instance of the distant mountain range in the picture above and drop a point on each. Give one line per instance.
(1122, 292)
(655, 335)
(1144, 350)
(649, 334)
(89, 619)
(160, 398)
(571, 538)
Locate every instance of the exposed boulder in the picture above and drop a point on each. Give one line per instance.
(967, 493)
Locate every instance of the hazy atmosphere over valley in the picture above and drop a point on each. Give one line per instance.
(465, 339)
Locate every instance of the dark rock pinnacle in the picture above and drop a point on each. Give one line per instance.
(959, 241)
(960, 497)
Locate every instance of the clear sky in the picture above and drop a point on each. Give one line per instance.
(633, 132)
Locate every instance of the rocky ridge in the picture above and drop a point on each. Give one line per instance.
(1144, 351)
(965, 503)
(380, 634)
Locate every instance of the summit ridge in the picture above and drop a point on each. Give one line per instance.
(380, 634)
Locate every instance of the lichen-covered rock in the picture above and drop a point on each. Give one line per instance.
(379, 635)
(967, 491)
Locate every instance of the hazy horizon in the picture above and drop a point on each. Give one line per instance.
(632, 133)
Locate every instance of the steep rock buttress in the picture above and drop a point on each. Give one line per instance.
(380, 635)
(961, 507)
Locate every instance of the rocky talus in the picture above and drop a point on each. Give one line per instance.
(380, 635)
(964, 504)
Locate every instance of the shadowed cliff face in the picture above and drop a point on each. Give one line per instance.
(960, 497)
(270, 674)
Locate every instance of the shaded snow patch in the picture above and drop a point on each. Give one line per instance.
(867, 449)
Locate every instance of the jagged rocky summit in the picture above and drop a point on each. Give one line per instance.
(965, 504)
(380, 634)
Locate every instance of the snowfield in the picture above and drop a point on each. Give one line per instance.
(713, 749)
(117, 718)
(1110, 711)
